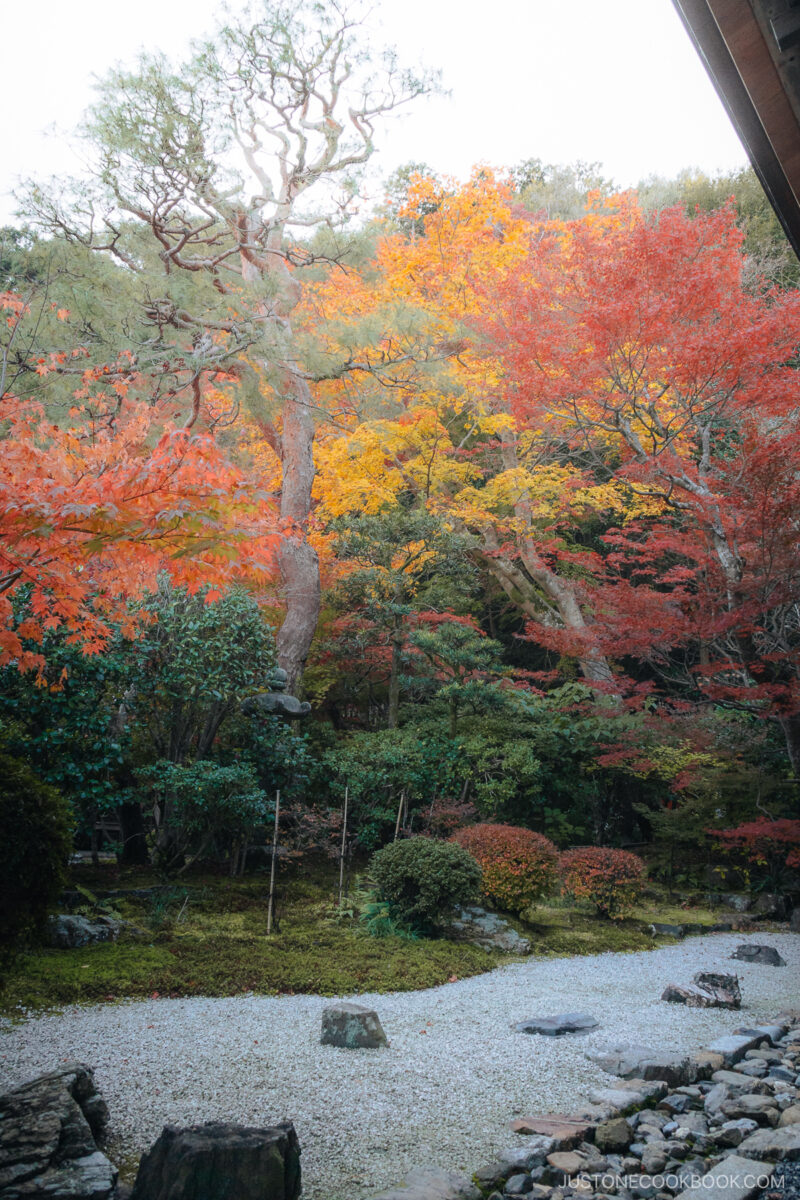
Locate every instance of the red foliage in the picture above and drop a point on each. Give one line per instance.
(635, 344)
(92, 507)
(763, 840)
(612, 880)
(519, 866)
(446, 815)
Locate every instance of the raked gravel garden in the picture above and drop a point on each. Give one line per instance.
(444, 1091)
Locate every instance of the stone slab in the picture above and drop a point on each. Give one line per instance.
(734, 1178)
(734, 1046)
(559, 1025)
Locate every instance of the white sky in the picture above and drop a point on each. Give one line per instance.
(614, 81)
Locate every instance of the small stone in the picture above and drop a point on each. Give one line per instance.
(563, 1132)
(352, 1027)
(756, 1070)
(765, 956)
(567, 1162)
(613, 1136)
(759, 1108)
(790, 1116)
(559, 1025)
(518, 1185)
(675, 1103)
(734, 1132)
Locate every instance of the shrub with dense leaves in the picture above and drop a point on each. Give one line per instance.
(34, 850)
(518, 866)
(422, 880)
(611, 880)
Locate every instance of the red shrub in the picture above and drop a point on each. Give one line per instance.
(612, 880)
(764, 842)
(518, 865)
(445, 816)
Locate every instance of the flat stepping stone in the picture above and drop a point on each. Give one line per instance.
(734, 1178)
(766, 956)
(644, 1062)
(566, 1132)
(559, 1025)
(352, 1027)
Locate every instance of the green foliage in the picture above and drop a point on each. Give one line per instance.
(67, 727)
(194, 664)
(422, 880)
(377, 767)
(611, 880)
(34, 850)
(466, 666)
(206, 802)
(518, 866)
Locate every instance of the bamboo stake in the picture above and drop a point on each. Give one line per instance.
(274, 860)
(344, 840)
(399, 813)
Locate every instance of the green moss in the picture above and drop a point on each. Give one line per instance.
(207, 936)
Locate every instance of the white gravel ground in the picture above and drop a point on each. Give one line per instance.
(444, 1092)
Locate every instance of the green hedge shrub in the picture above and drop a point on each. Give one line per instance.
(518, 865)
(422, 880)
(34, 851)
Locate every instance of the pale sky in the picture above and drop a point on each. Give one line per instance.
(612, 81)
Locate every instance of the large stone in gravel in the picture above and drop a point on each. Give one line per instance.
(217, 1161)
(47, 1138)
(352, 1026)
(68, 932)
(646, 1063)
(559, 1025)
(709, 990)
(766, 956)
(432, 1183)
(487, 929)
(773, 1144)
(734, 1178)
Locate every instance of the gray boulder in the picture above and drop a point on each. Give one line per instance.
(48, 1128)
(352, 1027)
(709, 990)
(764, 955)
(67, 931)
(486, 929)
(559, 1025)
(217, 1161)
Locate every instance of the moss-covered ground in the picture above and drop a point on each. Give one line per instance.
(208, 936)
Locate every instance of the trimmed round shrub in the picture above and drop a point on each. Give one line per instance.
(34, 850)
(422, 880)
(611, 880)
(518, 866)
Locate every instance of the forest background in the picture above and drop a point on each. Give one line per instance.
(502, 474)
